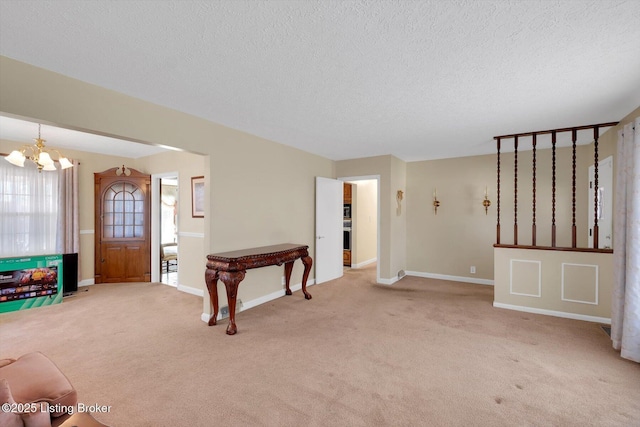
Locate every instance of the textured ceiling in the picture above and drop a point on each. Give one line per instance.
(348, 79)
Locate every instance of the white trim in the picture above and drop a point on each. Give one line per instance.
(190, 234)
(388, 281)
(87, 231)
(362, 264)
(564, 314)
(597, 285)
(190, 290)
(539, 277)
(451, 278)
(259, 301)
(86, 282)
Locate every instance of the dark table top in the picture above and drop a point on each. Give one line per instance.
(252, 252)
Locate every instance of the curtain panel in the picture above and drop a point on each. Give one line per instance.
(28, 210)
(625, 310)
(68, 231)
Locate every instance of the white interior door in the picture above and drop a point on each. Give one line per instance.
(604, 205)
(328, 229)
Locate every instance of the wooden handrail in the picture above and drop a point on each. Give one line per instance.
(561, 130)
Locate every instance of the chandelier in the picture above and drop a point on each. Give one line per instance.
(39, 155)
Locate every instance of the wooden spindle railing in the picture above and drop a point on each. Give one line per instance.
(596, 135)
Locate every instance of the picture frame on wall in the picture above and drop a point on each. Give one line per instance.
(197, 196)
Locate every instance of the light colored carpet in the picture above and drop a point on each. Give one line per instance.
(420, 352)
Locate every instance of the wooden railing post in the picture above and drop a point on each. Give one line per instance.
(498, 196)
(533, 225)
(553, 189)
(574, 138)
(595, 193)
(515, 193)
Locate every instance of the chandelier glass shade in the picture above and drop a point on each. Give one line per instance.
(38, 154)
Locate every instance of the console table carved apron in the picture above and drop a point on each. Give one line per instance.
(230, 267)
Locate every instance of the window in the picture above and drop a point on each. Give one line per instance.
(28, 210)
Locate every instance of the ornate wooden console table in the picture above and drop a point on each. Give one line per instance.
(230, 267)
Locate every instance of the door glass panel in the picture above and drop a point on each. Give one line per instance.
(139, 219)
(123, 216)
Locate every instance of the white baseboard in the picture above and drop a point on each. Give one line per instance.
(564, 314)
(388, 281)
(263, 299)
(451, 278)
(86, 282)
(190, 290)
(364, 263)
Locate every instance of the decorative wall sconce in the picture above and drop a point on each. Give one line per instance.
(399, 196)
(486, 202)
(436, 203)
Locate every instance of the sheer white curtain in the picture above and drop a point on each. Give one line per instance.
(28, 210)
(625, 310)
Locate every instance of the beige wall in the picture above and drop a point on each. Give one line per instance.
(259, 192)
(460, 235)
(190, 230)
(569, 284)
(398, 214)
(392, 224)
(365, 222)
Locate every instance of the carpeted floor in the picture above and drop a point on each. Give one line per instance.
(420, 352)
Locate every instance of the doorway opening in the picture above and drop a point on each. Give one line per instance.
(603, 208)
(365, 221)
(164, 242)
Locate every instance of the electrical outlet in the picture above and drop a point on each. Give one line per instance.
(473, 269)
(283, 282)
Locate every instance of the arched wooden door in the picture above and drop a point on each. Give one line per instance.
(122, 226)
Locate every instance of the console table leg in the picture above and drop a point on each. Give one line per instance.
(211, 279)
(307, 261)
(288, 266)
(231, 280)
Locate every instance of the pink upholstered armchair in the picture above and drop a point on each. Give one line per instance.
(35, 393)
